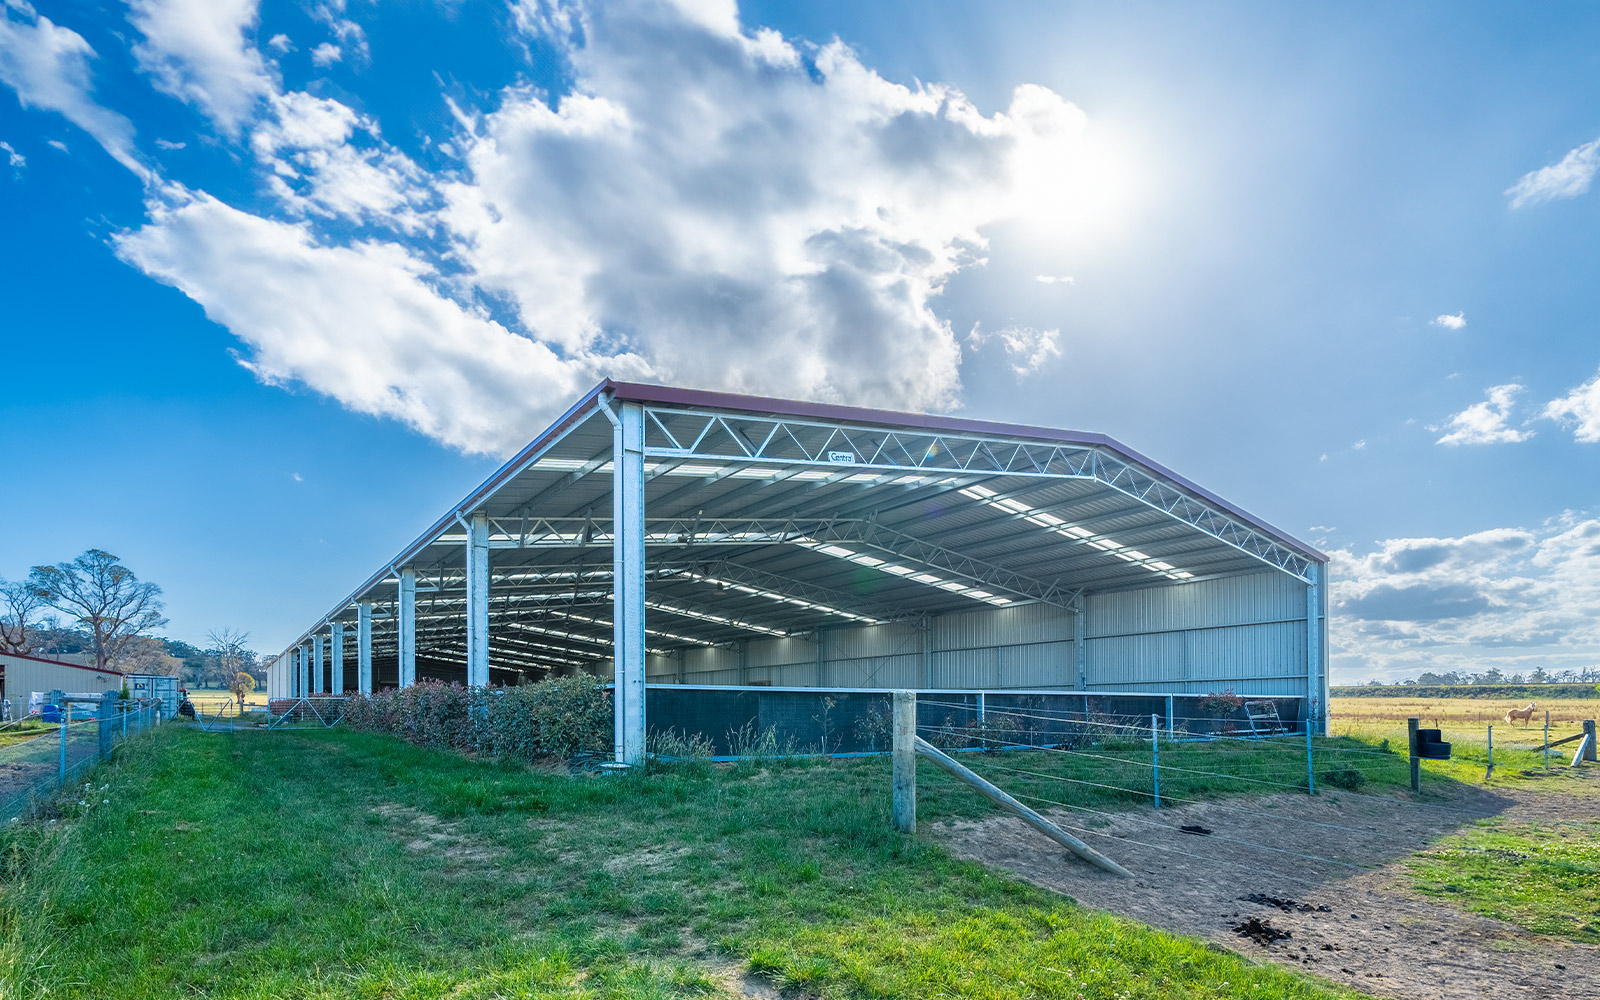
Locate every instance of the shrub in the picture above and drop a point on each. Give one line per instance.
(1347, 778)
(560, 717)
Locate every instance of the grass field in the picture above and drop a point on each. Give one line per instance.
(1464, 723)
(341, 864)
(23, 730)
(1543, 876)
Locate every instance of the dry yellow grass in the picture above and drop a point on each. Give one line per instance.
(1463, 720)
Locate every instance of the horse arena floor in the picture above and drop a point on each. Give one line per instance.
(1363, 928)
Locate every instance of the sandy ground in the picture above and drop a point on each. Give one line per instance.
(1362, 926)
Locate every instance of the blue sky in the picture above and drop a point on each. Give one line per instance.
(282, 280)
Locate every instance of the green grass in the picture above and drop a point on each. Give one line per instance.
(24, 730)
(1541, 876)
(342, 864)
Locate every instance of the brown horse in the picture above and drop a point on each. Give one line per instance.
(1525, 714)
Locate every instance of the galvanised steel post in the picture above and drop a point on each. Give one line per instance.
(1315, 702)
(364, 647)
(408, 627)
(1155, 756)
(627, 549)
(317, 677)
(336, 658)
(478, 600)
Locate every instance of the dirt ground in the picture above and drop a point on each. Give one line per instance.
(1360, 926)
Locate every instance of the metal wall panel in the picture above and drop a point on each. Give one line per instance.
(1257, 597)
(983, 627)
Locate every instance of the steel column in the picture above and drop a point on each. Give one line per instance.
(628, 571)
(478, 601)
(364, 647)
(336, 655)
(1080, 641)
(1315, 695)
(318, 678)
(303, 672)
(408, 627)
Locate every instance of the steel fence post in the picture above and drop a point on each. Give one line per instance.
(1155, 756)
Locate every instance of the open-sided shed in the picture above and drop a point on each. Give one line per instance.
(691, 538)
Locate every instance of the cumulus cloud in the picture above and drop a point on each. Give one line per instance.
(1485, 422)
(1566, 179)
(48, 67)
(406, 352)
(318, 167)
(200, 52)
(1449, 322)
(326, 54)
(1579, 410)
(705, 203)
(1027, 349)
(1508, 597)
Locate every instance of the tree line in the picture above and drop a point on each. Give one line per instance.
(1539, 675)
(97, 606)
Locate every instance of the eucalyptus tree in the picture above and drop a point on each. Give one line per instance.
(105, 597)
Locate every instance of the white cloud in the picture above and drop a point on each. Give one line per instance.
(298, 477)
(13, 158)
(1507, 597)
(747, 221)
(1028, 349)
(1449, 322)
(1359, 445)
(200, 52)
(403, 351)
(1580, 410)
(1566, 179)
(48, 66)
(1485, 422)
(707, 205)
(317, 169)
(58, 144)
(280, 43)
(169, 144)
(1055, 279)
(352, 39)
(326, 54)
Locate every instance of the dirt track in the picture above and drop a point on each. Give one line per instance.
(1362, 926)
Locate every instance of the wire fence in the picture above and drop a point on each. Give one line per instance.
(40, 757)
(1114, 782)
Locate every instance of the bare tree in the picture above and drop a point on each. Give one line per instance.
(231, 653)
(20, 605)
(104, 596)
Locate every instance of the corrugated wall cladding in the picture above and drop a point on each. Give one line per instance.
(1246, 632)
(1258, 597)
(1002, 626)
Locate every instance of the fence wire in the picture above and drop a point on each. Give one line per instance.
(40, 757)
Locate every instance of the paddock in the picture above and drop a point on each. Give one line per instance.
(720, 560)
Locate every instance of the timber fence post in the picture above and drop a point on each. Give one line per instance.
(1311, 774)
(905, 761)
(1588, 728)
(1547, 739)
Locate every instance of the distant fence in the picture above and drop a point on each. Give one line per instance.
(37, 757)
(835, 720)
(1529, 692)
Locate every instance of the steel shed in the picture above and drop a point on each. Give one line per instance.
(699, 538)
